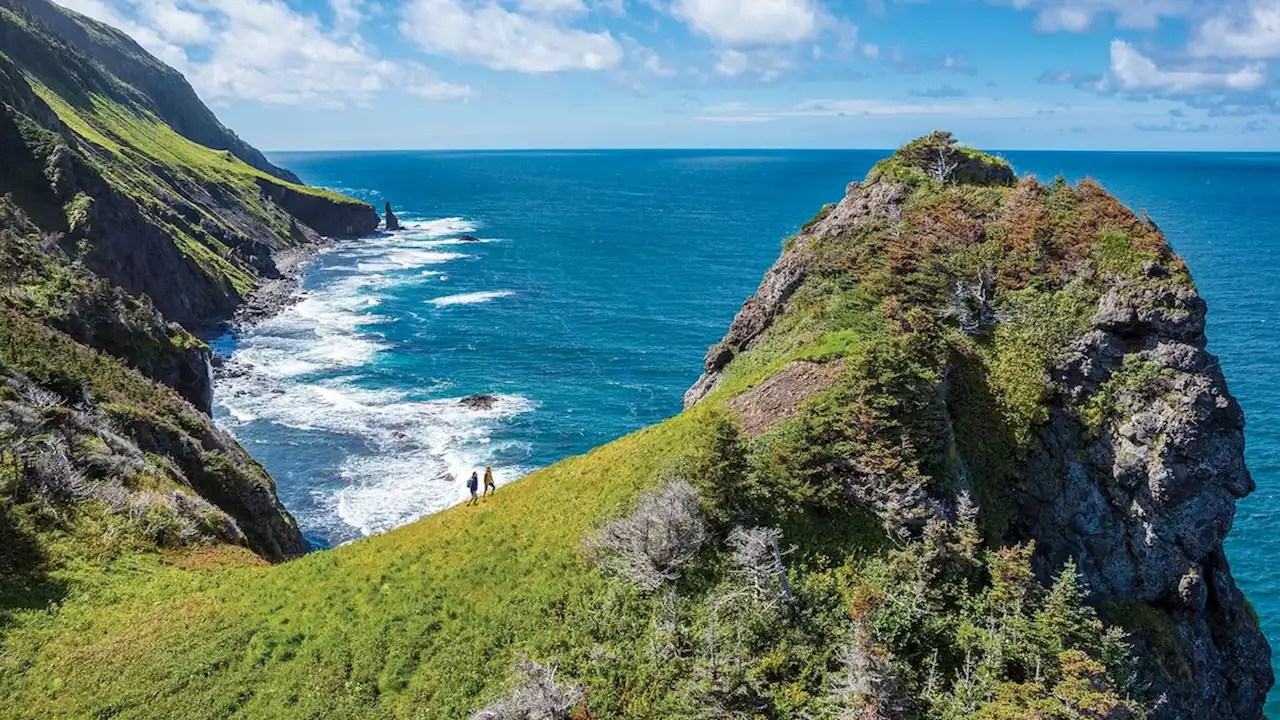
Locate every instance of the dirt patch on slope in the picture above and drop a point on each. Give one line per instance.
(775, 400)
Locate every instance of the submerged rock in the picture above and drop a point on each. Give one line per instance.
(469, 238)
(393, 223)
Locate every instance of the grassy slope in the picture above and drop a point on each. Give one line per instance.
(426, 621)
(133, 144)
(428, 616)
(77, 126)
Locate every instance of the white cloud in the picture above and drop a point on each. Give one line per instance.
(1080, 15)
(498, 38)
(263, 50)
(1132, 70)
(766, 64)
(553, 7)
(732, 63)
(424, 83)
(1251, 33)
(649, 60)
(739, 113)
(892, 108)
(347, 14)
(750, 22)
(1070, 19)
(174, 24)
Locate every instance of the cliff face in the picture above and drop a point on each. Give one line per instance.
(1075, 399)
(112, 149)
(1141, 492)
(160, 89)
(129, 216)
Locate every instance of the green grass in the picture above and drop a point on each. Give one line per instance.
(420, 621)
(128, 133)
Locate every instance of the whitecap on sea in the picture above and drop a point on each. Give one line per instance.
(404, 452)
(470, 298)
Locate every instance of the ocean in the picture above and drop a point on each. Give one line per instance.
(594, 286)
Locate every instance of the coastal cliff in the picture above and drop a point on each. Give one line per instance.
(129, 219)
(1077, 400)
(110, 149)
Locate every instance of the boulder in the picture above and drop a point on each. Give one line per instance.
(479, 402)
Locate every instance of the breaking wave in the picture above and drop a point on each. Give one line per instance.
(470, 298)
(360, 455)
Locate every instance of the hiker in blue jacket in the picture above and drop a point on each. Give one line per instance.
(472, 485)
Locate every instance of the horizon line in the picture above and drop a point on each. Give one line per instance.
(764, 149)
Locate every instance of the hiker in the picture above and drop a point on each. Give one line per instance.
(472, 484)
(489, 486)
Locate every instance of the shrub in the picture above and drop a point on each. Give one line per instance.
(649, 546)
(758, 560)
(537, 696)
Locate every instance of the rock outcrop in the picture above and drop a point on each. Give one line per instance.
(1105, 432)
(1143, 500)
(330, 216)
(478, 402)
(392, 222)
(877, 202)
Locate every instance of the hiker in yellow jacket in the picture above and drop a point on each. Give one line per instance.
(489, 485)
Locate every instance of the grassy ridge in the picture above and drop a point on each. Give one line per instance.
(135, 198)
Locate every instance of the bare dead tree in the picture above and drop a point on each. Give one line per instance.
(649, 546)
(971, 302)
(758, 558)
(662, 642)
(943, 164)
(717, 603)
(865, 687)
(33, 394)
(537, 696)
(52, 473)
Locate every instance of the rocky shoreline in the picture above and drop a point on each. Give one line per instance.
(274, 295)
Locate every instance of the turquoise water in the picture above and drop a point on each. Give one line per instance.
(599, 282)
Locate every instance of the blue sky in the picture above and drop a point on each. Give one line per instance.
(1009, 74)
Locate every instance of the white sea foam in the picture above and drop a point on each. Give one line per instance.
(470, 298)
(303, 369)
(407, 258)
(421, 451)
(442, 227)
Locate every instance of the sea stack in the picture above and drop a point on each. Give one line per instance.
(392, 222)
